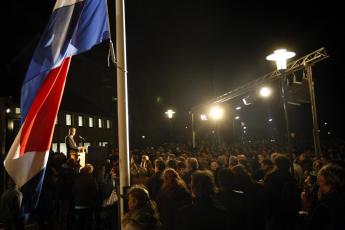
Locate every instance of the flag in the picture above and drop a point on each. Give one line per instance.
(75, 26)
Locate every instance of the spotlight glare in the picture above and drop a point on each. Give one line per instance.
(216, 113)
(265, 91)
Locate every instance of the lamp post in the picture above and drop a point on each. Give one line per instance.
(280, 57)
(193, 131)
(170, 114)
(216, 114)
(234, 127)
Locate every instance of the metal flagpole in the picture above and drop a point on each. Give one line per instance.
(122, 104)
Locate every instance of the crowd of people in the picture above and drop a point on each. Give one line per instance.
(212, 187)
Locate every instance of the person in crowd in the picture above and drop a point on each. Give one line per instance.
(281, 196)
(233, 161)
(109, 199)
(213, 166)
(181, 168)
(67, 175)
(155, 182)
(47, 203)
(267, 167)
(254, 195)
(10, 206)
(146, 165)
(329, 212)
(192, 166)
(203, 213)
(234, 201)
(171, 197)
(85, 193)
(172, 164)
(143, 213)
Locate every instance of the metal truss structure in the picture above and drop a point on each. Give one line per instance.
(292, 67)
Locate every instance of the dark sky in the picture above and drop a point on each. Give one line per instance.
(182, 53)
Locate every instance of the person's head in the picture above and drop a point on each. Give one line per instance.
(72, 131)
(221, 160)
(88, 169)
(213, 165)
(113, 173)
(181, 167)
(172, 178)
(261, 157)
(192, 164)
(159, 165)
(331, 178)
(172, 164)
(171, 156)
(266, 164)
(138, 197)
(144, 157)
(282, 162)
(202, 184)
(233, 161)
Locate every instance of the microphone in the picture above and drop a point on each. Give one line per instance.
(81, 138)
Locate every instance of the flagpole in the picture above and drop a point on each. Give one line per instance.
(122, 104)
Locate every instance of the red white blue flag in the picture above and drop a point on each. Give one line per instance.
(75, 26)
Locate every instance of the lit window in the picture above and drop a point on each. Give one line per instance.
(63, 148)
(100, 123)
(108, 124)
(80, 121)
(87, 144)
(56, 120)
(90, 121)
(55, 147)
(17, 110)
(68, 119)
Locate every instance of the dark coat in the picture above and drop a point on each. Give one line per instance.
(169, 201)
(153, 184)
(201, 215)
(282, 200)
(236, 203)
(329, 213)
(85, 191)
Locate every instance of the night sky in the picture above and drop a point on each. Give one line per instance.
(183, 53)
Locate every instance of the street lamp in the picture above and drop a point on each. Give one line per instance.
(216, 113)
(265, 92)
(170, 113)
(280, 57)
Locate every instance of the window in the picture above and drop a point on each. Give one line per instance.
(80, 121)
(17, 110)
(63, 148)
(90, 121)
(100, 123)
(55, 147)
(108, 124)
(69, 119)
(87, 144)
